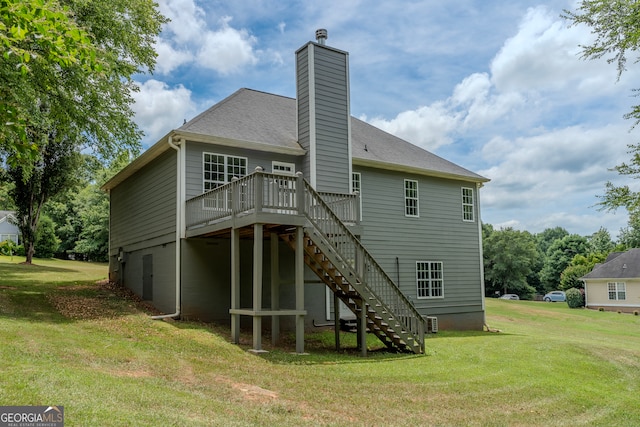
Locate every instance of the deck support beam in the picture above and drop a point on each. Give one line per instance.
(275, 288)
(299, 288)
(336, 319)
(235, 284)
(257, 285)
(362, 328)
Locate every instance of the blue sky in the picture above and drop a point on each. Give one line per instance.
(497, 87)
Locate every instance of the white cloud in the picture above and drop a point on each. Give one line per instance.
(169, 58)
(226, 50)
(189, 39)
(159, 108)
(429, 127)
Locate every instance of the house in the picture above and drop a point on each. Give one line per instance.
(614, 284)
(8, 228)
(290, 210)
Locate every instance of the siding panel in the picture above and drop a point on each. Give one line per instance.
(143, 207)
(438, 234)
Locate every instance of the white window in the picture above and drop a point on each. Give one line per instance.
(219, 169)
(411, 198)
(356, 185)
(429, 279)
(467, 204)
(356, 182)
(617, 290)
(283, 168)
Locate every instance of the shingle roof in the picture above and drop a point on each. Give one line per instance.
(268, 122)
(250, 115)
(624, 265)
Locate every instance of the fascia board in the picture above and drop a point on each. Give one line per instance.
(413, 170)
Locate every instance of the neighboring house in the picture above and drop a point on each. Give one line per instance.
(615, 284)
(265, 206)
(8, 228)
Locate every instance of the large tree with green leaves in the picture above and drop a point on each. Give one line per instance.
(616, 25)
(559, 256)
(72, 99)
(509, 256)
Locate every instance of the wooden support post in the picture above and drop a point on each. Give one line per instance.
(299, 287)
(363, 328)
(257, 285)
(336, 319)
(275, 288)
(300, 190)
(235, 284)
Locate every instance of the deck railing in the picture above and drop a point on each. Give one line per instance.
(263, 192)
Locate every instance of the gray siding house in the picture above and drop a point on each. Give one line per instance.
(292, 211)
(8, 228)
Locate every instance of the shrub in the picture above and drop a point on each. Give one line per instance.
(636, 312)
(574, 298)
(8, 248)
(601, 309)
(46, 243)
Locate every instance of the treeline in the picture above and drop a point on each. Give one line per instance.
(527, 264)
(74, 224)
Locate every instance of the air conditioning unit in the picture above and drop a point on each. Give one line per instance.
(432, 324)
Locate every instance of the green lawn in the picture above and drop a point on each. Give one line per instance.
(66, 340)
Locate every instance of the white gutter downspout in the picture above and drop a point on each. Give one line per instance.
(179, 221)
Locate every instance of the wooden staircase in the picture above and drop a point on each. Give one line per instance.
(338, 258)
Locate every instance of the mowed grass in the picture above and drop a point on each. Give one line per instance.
(67, 340)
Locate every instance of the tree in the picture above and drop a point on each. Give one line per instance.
(75, 99)
(548, 236)
(46, 243)
(559, 256)
(40, 42)
(600, 242)
(616, 24)
(509, 256)
(630, 235)
(578, 267)
(54, 171)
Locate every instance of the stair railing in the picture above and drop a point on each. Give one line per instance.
(363, 265)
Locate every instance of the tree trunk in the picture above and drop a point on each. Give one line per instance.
(29, 251)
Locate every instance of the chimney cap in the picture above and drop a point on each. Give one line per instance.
(321, 35)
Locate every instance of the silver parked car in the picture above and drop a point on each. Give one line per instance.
(510, 296)
(555, 296)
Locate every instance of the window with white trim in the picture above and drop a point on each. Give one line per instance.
(617, 290)
(219, 169)
(468, 213)
(356, 185)
(429, 279)
(356, 182)
(283, 168)
(411, 198)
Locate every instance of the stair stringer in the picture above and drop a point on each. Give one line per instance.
(342, 278)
